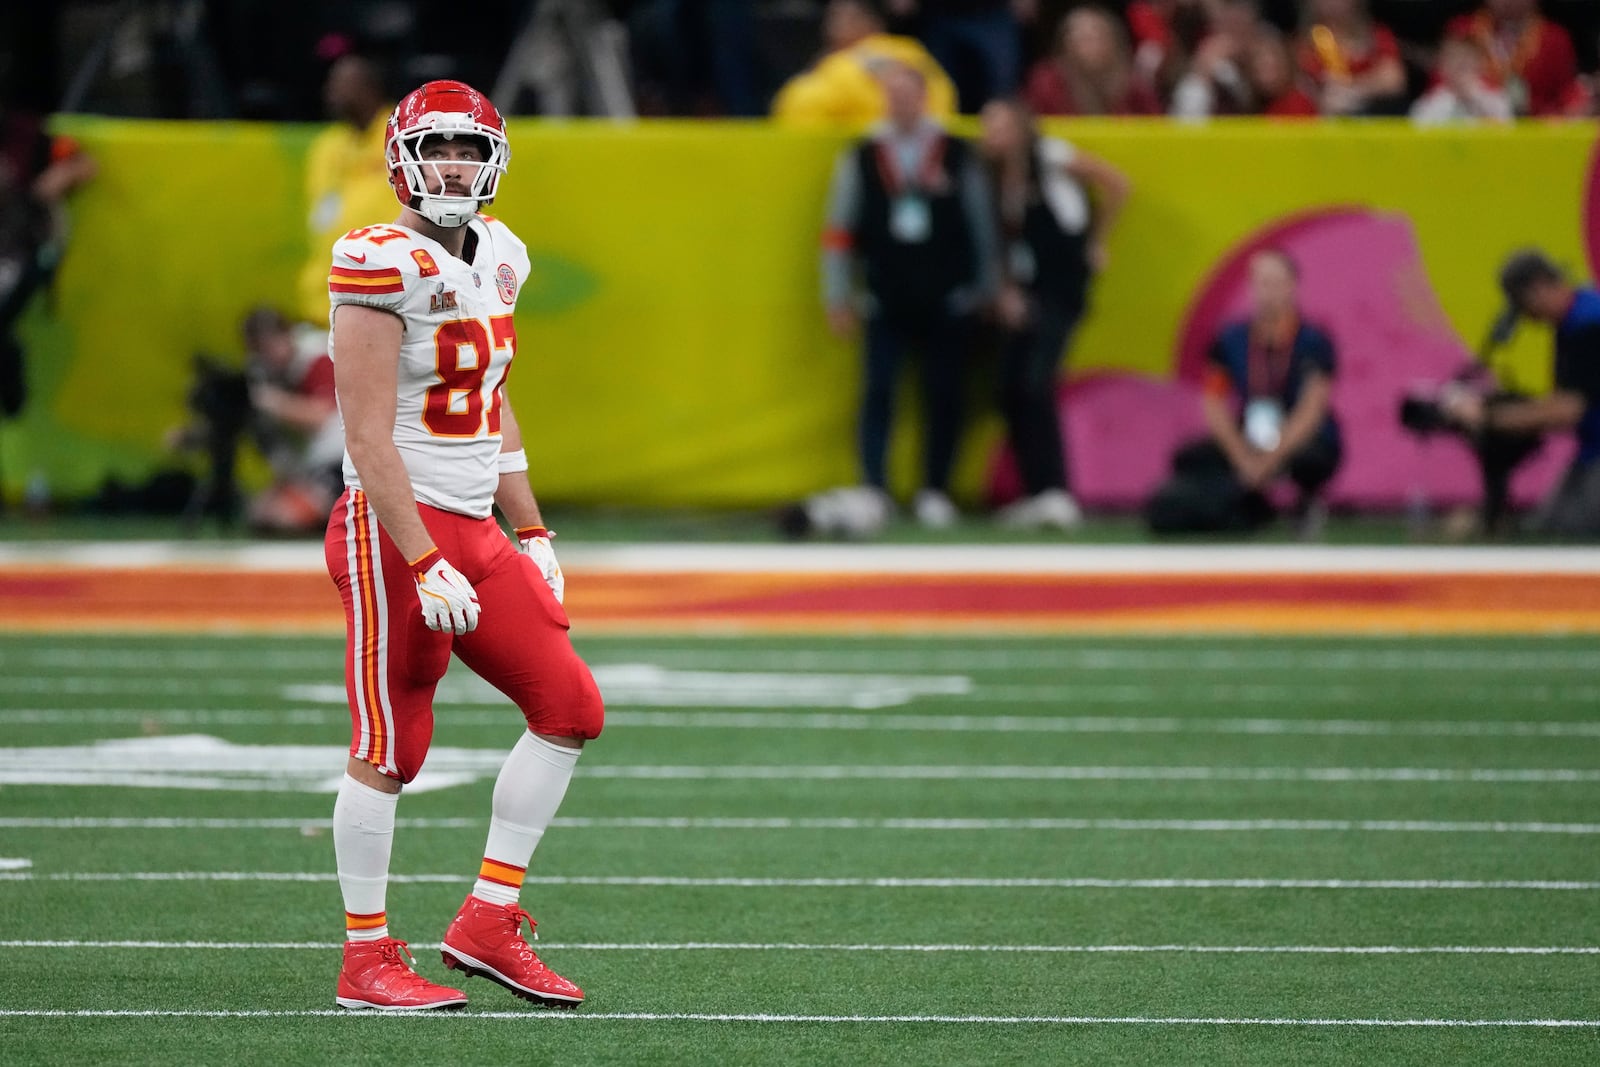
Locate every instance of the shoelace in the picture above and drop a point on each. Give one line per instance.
(519, 916)
(391, 954)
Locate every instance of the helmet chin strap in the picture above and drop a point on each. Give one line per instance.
(451, 214)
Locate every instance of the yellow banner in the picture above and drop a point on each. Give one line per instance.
(673, 351)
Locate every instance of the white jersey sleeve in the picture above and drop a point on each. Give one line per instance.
(456, 348)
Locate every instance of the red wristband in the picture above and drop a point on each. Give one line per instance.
(524, 533)
(423, 562)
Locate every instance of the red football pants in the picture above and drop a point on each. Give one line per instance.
(393, 662)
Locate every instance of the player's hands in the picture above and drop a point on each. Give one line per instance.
(534, 541)
(1258, 470)
(449, 604)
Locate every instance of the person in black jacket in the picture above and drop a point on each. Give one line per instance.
(1056, 204)
(37, 171)
(909, 216)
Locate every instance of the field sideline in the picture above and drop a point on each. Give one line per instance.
(840, 813)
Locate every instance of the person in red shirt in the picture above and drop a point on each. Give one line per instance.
(1274, 79)
(1092, 71)
(1530, 56)
(1353, 61)
(1217, 81)
(1166, 34)
(295, 423)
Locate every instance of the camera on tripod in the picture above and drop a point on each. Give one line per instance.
(219, 396)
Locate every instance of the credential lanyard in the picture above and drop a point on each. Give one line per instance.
(1269, 358)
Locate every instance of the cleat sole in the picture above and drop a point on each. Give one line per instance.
(352, 1004)
(471, 968)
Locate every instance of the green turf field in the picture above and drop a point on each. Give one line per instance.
(827, 850)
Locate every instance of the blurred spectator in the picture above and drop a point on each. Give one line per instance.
(697, 57)
(1267, 407)
(1165, 36)
(1528, 55)
(284, 402)
(843, 87)
(1537, 289)
(910, 208)
(1091, 72)
(37, 172)
(1353, 61)
(978, 42)
(347, 182)
(1217, 81)
(1274, 78)
(1056, 204)
(573, 55)
(1463, 93)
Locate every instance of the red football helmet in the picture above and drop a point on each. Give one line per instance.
(447, 109)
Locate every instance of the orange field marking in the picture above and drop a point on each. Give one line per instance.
(50, 598)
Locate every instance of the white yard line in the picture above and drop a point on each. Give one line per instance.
(969, 773)
(655, 558)
(681, 882)
(708, 1017)
(783, 946)
(848, 721)
(1117, 773)
(84, 684)
(667, 822)
(202, 716)
(1092, 724)
(1064, 695)
(1068, 693)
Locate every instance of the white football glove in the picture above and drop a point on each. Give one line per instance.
(448, 601)
(534, 541)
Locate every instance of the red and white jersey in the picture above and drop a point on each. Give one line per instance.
(454, 354)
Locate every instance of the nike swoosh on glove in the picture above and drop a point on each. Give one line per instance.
(534, 542)
(449, 603)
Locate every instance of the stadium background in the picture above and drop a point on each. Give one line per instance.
(671, 339)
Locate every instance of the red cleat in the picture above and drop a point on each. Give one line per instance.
(374, 976)
(486, 940)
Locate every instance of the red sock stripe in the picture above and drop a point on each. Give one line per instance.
(507, 874)
(352, 921)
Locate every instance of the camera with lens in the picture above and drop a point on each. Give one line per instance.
(1425, 410)
(220, 395)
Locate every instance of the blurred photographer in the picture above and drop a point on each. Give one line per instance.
(1537, 289)
(284, 403)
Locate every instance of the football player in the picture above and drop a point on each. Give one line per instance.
(422, 341)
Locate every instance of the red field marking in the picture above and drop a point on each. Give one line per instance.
(66, 599)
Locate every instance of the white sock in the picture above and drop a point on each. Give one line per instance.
(526, 796)
(363, 834)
